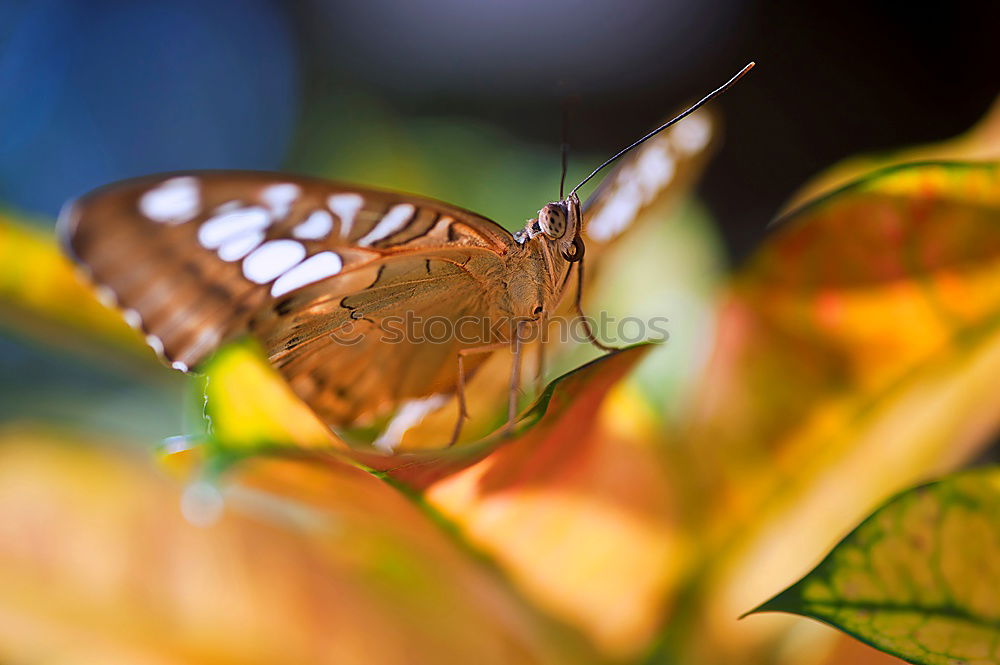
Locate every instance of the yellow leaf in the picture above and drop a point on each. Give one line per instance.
(42, 295)
(249, 406)
(920, 578)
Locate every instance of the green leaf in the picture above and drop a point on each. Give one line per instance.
(919, 579)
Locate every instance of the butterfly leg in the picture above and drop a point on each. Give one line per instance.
(515, 379)
(588, 331)
(460, 392)
(463, 413)
(540, 371)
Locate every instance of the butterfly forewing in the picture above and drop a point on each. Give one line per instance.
(664, 165)
(195, 259)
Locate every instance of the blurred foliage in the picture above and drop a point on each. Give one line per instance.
(981, 143)
(581, 514)
(69, 359)
(857, 355)
(853, 355)
(310, 563)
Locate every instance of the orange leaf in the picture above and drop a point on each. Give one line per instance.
(579, 512)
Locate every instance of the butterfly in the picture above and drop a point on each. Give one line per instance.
(339, 284)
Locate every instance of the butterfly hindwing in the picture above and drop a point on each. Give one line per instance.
(351, 352)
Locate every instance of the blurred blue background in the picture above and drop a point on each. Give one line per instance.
(96, 91)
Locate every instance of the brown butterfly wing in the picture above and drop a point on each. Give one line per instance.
(193, 258)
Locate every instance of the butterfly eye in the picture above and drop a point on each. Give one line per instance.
(574, 252)
(552, 220)
(538, 310)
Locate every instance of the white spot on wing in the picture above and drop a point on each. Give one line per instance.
(636, 186)
(346, 207)
(179, 366)
(316, 226)
(155, 343)
(316, 267)
(228, 225)
(106, 296)
(692, 135)
(174, 201)
(655, 169)
(69, 219)
(393, 221)
(271, 259)
(279, 198)
(236, 248)
(133, 318)
(409, 415)
(616, 215)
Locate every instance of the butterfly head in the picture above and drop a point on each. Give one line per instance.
(558, 223)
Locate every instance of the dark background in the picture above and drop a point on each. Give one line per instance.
(833, 80)
(96, 91)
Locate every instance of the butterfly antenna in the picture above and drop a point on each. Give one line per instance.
(564, 147)
(562, 178)
(694, 107)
